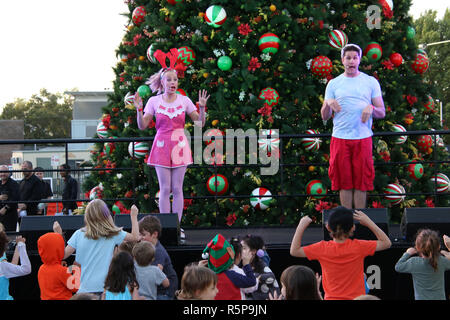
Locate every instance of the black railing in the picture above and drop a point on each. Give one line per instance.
(282, 165)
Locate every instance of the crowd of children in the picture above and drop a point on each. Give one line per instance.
(111, 264)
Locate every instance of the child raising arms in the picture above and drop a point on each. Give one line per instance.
(94, 244)
(342, 258)
(426, 265)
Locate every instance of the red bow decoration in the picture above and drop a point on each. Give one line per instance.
(173, 60)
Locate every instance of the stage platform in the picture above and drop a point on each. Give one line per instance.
(386, 283)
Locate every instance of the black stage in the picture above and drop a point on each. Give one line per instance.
(386, 283)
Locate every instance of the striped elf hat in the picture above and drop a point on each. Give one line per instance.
(220, 258)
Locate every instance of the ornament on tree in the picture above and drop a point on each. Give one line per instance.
(109, 147)
(441, 181)
(410, 33)
(224, 63)
(102, 131)
(388, 7)
(261, 198)
(415, 170)
(337, 39)
(429, 105)
(129, 99)
(270, 96)
(424, 143)
(96, 192)
(399, 128)
(218, 137)
(186, 55)
(115, 209)
(150, 53)
(269, 43)
(394, 193)
(144, 91)
(321, 66)
(396, 59)
(373, 51)
(138, 15)
(420, 64)
(174, 2)
(422, 52)
(269, 145)
(316, 189)
(215, 16)
(312, 143)
(140, 149)
(217, 184)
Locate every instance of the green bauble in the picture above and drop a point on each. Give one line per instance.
(144, 91)
(410, 33)
(224, 63)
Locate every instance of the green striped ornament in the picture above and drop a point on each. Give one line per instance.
(393, 193)
(269, 43)
(442, 182)
(186, 55)
(399, 128)
(337, 39)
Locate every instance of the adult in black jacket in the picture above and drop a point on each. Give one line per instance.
(70, 191)
(30, 190)
(9, 195)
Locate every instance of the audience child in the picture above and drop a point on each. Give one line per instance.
(267, 283)
(11, 270)
(238, 259)
(220, 258)
(197, 283)
(341, 259)
(150, 230)
(121, 282)
(94, 244)
(299, 283)
(148, 276)
(54, 279)
(426, 265)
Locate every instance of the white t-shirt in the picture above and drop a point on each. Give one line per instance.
(353, 94)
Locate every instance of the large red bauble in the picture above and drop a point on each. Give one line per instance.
(396, 59)
(321, 66)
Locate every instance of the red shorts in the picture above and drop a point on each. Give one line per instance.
(351, 164)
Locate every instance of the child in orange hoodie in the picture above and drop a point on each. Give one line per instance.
(56, 281)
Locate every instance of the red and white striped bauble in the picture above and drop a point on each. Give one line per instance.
(442, 182)
(96, 192)
(215, 16)
(337, 39)
(102, 131)
(394, 193)
(261, 198)
(140, 149)
(399, 128)
(312, 143)
(269, 145)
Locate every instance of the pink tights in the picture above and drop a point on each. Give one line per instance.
(171, 180)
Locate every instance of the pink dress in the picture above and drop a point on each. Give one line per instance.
(171, 148)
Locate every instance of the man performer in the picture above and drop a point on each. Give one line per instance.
(353, 99)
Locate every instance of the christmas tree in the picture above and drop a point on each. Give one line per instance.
(266, 66)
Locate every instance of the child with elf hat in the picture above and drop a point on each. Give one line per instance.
(219, 256)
